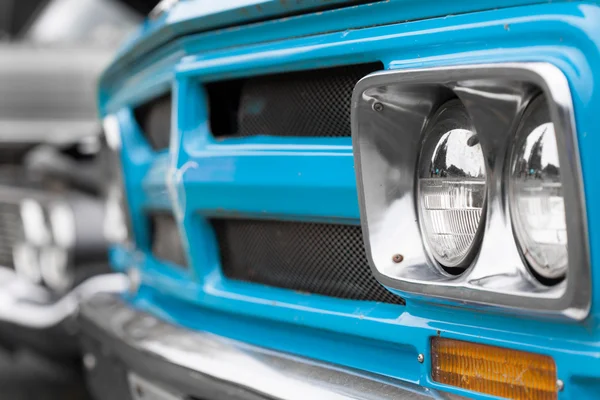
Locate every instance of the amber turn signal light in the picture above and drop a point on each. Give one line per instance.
(493, 370)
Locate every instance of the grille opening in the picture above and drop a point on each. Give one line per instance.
(324, 259)
(223, 104)
(154, 119)
(313, 103)
(165, 240)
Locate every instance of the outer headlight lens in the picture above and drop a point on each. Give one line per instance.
(536, 196)
(451, 187)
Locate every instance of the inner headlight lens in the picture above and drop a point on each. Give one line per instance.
(451, 187)
(536, 194)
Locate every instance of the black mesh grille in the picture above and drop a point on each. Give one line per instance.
(324, 259)
(305, 103)
(154, 119)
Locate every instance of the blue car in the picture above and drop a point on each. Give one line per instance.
(352, 200)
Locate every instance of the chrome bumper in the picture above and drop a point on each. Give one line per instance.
(192, 363)
(32, 316)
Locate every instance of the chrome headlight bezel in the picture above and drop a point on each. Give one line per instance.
(390, 111)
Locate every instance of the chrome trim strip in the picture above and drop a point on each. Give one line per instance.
(386, 142)
(31, 306)
(149, 346)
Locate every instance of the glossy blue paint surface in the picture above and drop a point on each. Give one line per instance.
(312, 179)
(265, 17)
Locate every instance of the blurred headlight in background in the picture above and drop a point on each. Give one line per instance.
(70, 242)
(26, 259)
(62, 224)
(26, 254)
(34, 222)
(56, 269)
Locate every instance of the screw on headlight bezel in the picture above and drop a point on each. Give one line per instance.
(386, 145)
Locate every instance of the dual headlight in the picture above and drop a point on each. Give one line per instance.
(60, 237)
(45, 252)
(469, 173)
(452, 191)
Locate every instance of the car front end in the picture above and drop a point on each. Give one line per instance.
(352, 200)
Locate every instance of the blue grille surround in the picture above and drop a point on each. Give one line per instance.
(312, 180)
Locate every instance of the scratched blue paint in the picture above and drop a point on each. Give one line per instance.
(313, 179)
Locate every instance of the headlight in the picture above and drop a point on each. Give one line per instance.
(536, 195)
(465, 175)
(451, 187)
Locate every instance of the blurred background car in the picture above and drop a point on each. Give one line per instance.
(53, 174)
